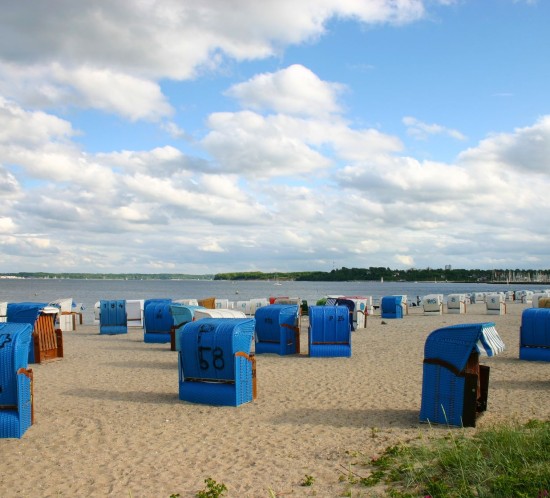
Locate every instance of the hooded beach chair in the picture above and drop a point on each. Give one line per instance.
(433, 304)
(329, 331)
(277, 329)
(47, 340)
(181, 314)
(157, 321)
(113, 319)
(455, 386)
(67, 313)
(208, 302)
(456, 303)
(215, 363)
(16, 408)
(495, 304)
(534, 342)
(392, 307)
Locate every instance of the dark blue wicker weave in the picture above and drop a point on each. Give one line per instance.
(112, 318)
(157, 320)
(15, 388)
(276, 329)
(26, 312)
(215, 366)
(329, 332)
(534, 342)
(391, 307)
(446, 353)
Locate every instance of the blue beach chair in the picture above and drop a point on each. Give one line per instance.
(215, 363)
(16, 409)
(534, 342)
(113, 319)
(157, 320)
(277, 329)
(329, 332)
(47, 340)
(391, 307)
(455, 386)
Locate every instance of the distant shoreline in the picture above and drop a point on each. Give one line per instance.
(206, 278)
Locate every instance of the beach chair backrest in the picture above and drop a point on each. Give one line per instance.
(15, 339)
(329, 325)
(270, 320)
(208, 347)
(535, 327)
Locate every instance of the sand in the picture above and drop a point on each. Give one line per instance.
(108, 420)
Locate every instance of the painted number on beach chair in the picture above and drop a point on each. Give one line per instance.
(217, 358)
(4, 339)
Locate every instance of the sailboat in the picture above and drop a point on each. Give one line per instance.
(277, 281)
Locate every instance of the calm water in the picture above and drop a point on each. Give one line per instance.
(88, 292)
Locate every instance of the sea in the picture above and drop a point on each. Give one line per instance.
(88, 292)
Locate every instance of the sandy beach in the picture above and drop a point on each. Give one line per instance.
(108, 420)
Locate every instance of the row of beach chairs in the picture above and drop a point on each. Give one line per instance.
(216, 363)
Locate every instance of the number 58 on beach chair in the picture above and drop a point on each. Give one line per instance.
(215, 363)
(16, 412)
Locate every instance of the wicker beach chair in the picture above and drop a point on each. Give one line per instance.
(456, 303)
(329, 331)
(47, 340)
(215, 363)
(455, 386)
(433, 304)
(157, 321)
(208, 302)
(495, 304)
(391, 307)
(16, 400)
(277, 329)
(534, 342)
(113, 319)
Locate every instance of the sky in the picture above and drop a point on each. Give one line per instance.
(207, 136)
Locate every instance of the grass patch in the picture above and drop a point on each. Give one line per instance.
(504, 461)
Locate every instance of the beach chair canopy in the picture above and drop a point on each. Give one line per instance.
(46, 343)
(28, 312)
(455, 344)
(392, 306)
(157, 320)
(15, 379)
(201, 313)
(276, 329)
(455, 386)
(534, 342)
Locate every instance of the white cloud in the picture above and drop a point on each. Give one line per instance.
(421, 131)
(248, 143)
(109, 90)
(109, 55)
(294, 90)
(526, 149)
